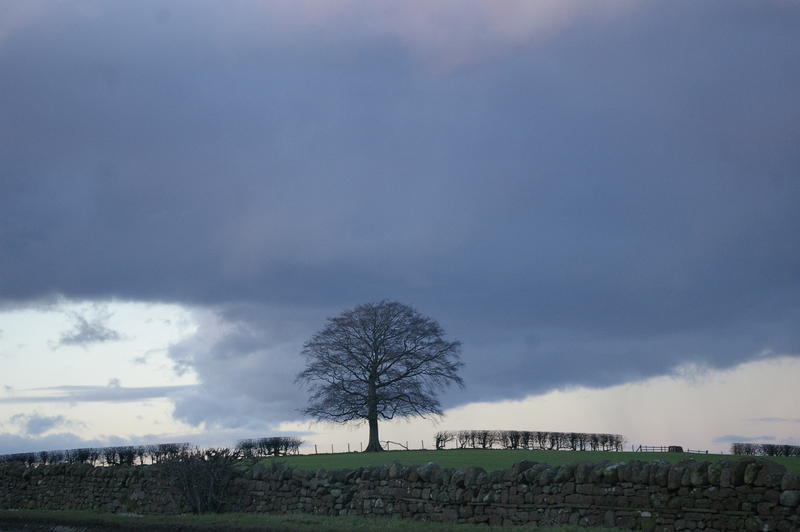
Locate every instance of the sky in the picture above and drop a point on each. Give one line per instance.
(599, 199)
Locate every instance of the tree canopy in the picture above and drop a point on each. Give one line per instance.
(378, 361)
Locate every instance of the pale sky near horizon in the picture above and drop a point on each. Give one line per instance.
(65, 395)
(599, 199)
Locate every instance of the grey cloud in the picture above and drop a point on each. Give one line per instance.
(89, 330)
(246, 359)
(145, 357)
(15, 443)
(35, 424)
(736, 438)
(111, 393)
(595, 207)
(775, 419)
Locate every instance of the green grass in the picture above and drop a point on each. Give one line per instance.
(238, 522)
(492, 459)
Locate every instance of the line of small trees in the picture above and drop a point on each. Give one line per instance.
(765, 449)
(272, 446)
(525, 439)
(114, 455)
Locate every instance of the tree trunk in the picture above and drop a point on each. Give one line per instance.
(372, 418)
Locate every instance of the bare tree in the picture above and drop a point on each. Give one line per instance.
(510, 439)
(583, 440)
(474, 437)
(378, 361)
(442, 438)
(572, 440)
(462, 438)
(486, 438)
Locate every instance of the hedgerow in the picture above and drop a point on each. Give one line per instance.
(534, 440)
(765, 449)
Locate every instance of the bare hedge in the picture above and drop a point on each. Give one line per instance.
(271, 446)
(109, 456)
(524, 439)
(150, 454)
(765, 449)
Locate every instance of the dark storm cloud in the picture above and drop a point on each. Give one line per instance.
(590, 205)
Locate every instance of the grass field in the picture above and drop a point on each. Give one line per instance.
(236, 522)
(492, 459)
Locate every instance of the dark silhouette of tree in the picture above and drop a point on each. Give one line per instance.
(442, 438)
(378, 361)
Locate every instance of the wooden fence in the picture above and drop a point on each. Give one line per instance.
(665, 449)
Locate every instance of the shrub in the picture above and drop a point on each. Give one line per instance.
(126, 455)
(765, 449)
(462, 439)
(442, 438)
(202, 477)
(166, 451)
(246, 448)
(271, 446)
(523, 439)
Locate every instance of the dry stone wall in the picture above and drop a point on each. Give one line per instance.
(84, 487)
(745, 494)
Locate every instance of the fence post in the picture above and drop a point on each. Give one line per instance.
(315, 448)
(348, 447)
(361, 443)
(331, 448)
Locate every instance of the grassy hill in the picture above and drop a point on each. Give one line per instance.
(492, 459)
